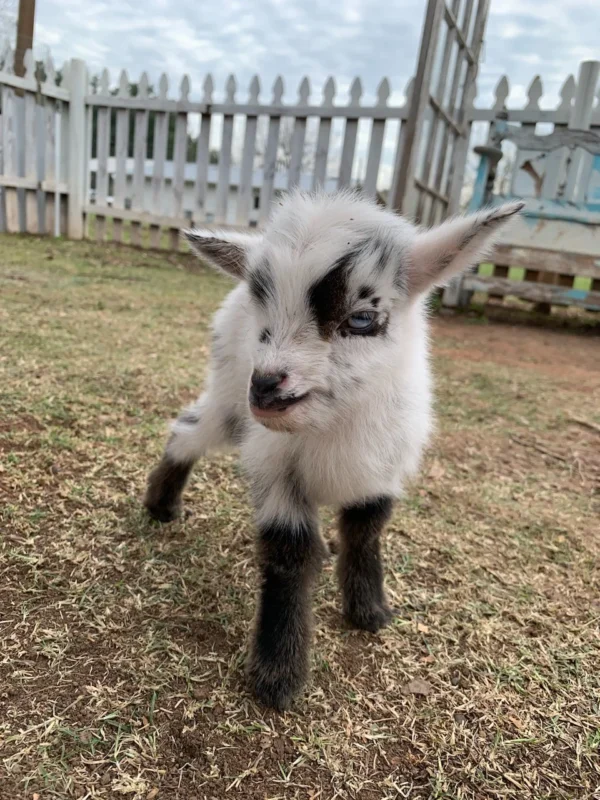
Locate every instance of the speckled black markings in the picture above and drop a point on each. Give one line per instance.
(360, 569)
(365, 291)
(261, 284)
(384, 250)
(290, 559)
(265, 336)
(166, 483)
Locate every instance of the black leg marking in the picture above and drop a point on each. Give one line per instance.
(291, 558)
(360, 570)
(166, 483)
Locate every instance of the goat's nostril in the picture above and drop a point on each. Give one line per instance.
(266, 382)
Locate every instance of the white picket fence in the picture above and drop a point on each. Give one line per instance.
(71, 163)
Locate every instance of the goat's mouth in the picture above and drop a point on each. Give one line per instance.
(276, 407)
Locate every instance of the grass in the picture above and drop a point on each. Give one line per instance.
(122, 643)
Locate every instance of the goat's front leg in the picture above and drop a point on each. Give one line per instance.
(291, 553)
(195, 430)
(360, 569)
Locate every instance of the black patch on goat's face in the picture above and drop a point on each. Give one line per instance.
(365, 291)
(327, 298)
(265, 336)
(261, 285)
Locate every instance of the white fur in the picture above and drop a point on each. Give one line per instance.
(368, 417)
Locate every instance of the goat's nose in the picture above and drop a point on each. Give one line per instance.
(264, 383)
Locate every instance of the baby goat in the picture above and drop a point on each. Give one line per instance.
(320, 373)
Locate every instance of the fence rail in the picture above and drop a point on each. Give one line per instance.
(94, 160)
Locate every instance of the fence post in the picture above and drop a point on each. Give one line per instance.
(581, 118)
(581, 114)
(77, 162)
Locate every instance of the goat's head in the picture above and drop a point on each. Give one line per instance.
(334, 281)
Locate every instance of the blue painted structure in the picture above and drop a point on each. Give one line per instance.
(557, 238)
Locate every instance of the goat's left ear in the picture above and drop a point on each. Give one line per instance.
(228, 251)
(452, 247)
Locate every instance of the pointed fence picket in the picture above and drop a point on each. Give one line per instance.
(156, 163)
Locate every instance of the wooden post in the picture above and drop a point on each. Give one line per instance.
(78, 157)
(25, 25)
(405, 157)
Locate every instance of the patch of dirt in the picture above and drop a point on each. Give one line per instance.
(568, 357)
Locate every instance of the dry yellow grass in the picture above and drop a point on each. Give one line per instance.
(121, 642)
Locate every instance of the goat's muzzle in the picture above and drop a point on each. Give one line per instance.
(267, 395)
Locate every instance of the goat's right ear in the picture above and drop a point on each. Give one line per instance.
(228, 251)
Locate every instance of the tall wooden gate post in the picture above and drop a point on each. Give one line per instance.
(77, 160)
(430, 164)
(406, 156)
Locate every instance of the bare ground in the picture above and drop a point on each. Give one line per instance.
(122, 643)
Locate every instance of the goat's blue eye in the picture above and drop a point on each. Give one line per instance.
(361, 322)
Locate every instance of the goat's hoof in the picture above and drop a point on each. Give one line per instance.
(371, 618)
(271, 689)
(163, 513)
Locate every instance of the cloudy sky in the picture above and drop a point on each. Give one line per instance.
(370, 38)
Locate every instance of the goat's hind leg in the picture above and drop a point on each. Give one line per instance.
(360, 569)
(193, 432)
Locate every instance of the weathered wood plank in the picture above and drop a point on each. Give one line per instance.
(179, 161)
(3, 223)
(555, 162)
(549, 260)
(203, 153)
(121, 153)
(143, 217)
(50, 157)
(47, 89)
(349, 145)
(270, 158)
(175, 106)
(20, 148)
(298, 136)
(436, 100)
(102, 152)
(146, 218)
(347, 159)
(376, 142)
(32, 222)
(269, 168)
(296, 152)
(454, 148)
(140, 148)
(526, 138)
(32, 184)
(40, 165)
(245, 189)
(534, 292)
(9, 141)
(159, 151)
(324, 136)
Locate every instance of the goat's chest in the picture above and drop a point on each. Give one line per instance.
(340, 468)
